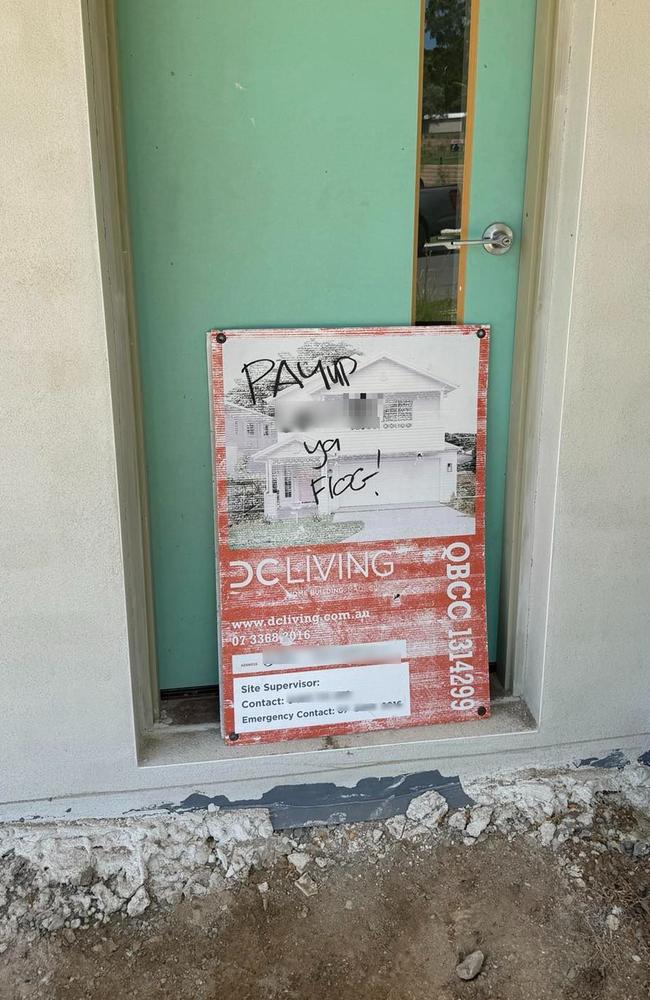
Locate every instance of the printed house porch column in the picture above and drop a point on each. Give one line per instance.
(270, 498)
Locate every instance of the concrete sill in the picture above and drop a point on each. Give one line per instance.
(202, 743)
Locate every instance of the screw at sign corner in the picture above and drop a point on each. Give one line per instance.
(233, 736)
(221, 339)
(480, 333)
(481, 710)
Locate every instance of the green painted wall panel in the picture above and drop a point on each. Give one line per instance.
(271, 169)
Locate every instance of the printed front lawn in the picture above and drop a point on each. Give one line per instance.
(298, 531)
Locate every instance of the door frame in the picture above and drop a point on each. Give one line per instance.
(519, 494)
(553, 176)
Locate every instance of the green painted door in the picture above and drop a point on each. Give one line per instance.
(272, 167)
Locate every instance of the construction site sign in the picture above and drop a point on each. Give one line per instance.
(349, 484)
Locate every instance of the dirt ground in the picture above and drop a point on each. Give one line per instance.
(389, 930)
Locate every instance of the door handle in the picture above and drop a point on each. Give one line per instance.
(497, 239)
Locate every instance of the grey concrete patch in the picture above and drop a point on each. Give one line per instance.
(616, 759)
(292, 806)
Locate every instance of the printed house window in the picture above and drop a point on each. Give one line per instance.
(288, 485)
(266, 430)
(398, 413)
(250, 429)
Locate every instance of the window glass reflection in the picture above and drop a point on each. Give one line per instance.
(444, 120)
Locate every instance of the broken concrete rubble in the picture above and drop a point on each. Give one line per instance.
(138, 902)
(424, 814)
(470, 967)
(299, 860)
(56, 876)
(307, 885)
(458, 820)
(546, 832)
(479, 820)
(95, 869)
(396, 826)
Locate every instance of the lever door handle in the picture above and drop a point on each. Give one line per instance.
(497, 239)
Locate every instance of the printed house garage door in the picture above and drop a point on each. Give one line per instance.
(413, 481)
(288, 166)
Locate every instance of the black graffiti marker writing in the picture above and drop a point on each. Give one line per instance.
(326, 446)
(296, 373)
(355, 481)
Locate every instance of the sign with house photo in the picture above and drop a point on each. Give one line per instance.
(349, 493)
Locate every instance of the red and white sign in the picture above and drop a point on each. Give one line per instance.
(349, 496)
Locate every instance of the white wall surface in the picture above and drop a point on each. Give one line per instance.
(65, 686)
(64, 679)
(598, 632)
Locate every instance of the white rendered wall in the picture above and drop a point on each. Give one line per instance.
(65, 692)
(65, 684)
(598, 632)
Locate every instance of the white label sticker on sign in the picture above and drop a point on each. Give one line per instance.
(243, 663)
(307, 698)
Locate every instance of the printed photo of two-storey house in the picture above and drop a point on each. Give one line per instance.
(247, 430)
(366, 461)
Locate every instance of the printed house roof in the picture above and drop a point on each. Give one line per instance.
(426, 379)
(291, 446)
(248, 410)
